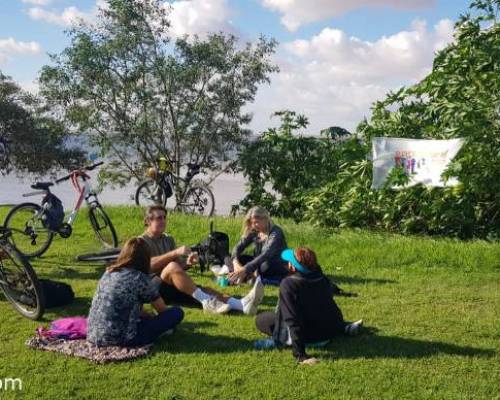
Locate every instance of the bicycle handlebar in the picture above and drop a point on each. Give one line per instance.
(89, 168)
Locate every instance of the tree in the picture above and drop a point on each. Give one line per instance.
(30, 141)
(282, 167)
(460, 98)
(139, 95)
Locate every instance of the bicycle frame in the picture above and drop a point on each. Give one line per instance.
(84, 191)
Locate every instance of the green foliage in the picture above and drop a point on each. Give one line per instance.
(138, 95)
(282, 168)
(31, 141)
(460, 98)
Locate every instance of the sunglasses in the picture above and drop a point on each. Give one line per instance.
(158, 218)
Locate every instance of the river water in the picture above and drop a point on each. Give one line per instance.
(228, 189)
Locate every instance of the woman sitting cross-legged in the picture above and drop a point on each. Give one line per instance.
(306, 312)
(268, 241)
(116, 317)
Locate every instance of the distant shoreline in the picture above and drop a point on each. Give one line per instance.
(228, 189)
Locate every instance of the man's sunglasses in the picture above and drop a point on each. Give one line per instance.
(158, 217)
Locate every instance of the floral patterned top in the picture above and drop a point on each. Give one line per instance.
(116, 306)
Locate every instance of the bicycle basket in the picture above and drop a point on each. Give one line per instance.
(53, 214)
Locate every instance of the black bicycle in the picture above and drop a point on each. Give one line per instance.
(34, 226)
(18, 280)
(191, 196)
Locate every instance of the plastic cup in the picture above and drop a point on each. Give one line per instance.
(223, 281)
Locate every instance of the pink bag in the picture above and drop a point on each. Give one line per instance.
(70, 328)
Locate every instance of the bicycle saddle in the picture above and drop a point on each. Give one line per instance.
(42, 185)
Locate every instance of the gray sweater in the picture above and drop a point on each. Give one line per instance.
(268, 250)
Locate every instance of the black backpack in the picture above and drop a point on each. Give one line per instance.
(57, 294)
(213, 250)
(53, 215)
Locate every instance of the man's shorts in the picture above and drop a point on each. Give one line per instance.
(171, 295)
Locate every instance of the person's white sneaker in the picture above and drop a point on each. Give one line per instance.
(214, 306)
(215, 269)
(354, 328)
(224, 270)
(252, 300)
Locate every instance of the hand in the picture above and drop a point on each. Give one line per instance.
(309, 361)
(192, 259)
(237, 276)
(237, 266)
(182, 251)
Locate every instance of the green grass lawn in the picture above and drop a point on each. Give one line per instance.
(431, 307)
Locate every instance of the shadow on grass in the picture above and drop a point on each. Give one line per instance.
(189, 340)
(58, 272)
(352, 280)
(370, 345)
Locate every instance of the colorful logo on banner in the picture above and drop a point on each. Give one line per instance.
(422, 160)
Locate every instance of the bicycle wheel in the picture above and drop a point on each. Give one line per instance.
(198, 199)
(149, 193)
(102, 226)
(28, 232)
(19, 282)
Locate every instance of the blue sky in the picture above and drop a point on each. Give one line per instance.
(336, 57)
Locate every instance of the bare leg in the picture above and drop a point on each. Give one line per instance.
(173, 274)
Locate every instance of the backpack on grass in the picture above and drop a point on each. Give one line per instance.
(57, 294)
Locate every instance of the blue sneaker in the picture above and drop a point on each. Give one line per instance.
(264, 344)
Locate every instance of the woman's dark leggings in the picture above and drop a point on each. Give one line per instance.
(265, 270)
(148, 330)
(265, 323)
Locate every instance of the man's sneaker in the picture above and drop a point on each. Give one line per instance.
(264, 344)
(214, 306)
(252, 300)
(354, 328)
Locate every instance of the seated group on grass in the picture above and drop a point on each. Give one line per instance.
(151, 269)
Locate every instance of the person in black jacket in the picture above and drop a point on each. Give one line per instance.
(306, 312)
(268, 242)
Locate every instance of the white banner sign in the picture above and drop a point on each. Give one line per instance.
(422, 160)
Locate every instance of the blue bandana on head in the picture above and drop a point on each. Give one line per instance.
(288, 255)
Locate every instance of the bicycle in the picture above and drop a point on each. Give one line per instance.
(33, 227)
(192, 196)
(18, 280)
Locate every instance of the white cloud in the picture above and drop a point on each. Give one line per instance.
(186, 16)
(37, 2)
(10, 46)
(68, 17)
(299, 12)
(334, 78)
(199, 17)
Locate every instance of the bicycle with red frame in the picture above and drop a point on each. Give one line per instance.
(33, 226)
